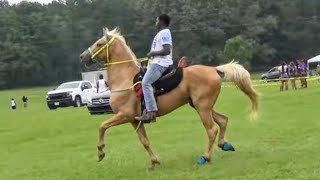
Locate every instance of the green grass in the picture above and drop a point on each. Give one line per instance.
(36, 143)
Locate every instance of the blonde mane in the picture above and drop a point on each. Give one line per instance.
(117, 34)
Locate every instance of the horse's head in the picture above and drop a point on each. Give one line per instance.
(99, 50)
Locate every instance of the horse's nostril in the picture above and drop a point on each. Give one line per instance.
(80, 57)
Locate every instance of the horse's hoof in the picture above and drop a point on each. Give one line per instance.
(101, 156)
(151, 167)
(227, 147)
(153, 164)
(202, 160)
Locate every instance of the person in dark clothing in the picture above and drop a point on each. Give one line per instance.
(302, 70)
(25, 101)
(292, 70)
(304, 73)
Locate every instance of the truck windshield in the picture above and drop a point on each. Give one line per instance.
(68, 85)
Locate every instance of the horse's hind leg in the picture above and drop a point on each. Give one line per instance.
(145, 141)
(212, 130)
(222, 121)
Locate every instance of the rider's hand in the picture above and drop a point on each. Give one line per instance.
(150, 54)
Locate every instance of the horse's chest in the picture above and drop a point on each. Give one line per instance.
(120, 101)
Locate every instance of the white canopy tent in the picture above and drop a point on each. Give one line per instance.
(314, 59)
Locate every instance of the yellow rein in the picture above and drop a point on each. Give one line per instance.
(127, 61)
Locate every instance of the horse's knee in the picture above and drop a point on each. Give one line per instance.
(102, 129)
(145, 142)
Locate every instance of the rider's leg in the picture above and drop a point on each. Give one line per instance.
(153, 73)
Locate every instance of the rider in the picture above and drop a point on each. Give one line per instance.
(161, 59)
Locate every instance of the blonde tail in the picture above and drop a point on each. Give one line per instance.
(237, 74)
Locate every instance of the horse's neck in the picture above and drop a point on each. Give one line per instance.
(120, 76)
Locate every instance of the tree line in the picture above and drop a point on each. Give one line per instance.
(40, 43)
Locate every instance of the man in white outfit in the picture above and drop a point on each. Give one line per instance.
(13, 104)
(102, 85)
(161, 59)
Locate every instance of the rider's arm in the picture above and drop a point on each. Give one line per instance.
(166, 41)
(163, 52)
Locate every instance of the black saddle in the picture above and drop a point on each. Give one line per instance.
(169, 80)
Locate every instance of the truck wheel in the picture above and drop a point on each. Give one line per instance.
(77, 101)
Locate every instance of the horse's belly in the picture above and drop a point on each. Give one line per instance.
(171, 101)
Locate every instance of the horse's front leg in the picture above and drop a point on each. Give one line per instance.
(114, 121)
(145, 141)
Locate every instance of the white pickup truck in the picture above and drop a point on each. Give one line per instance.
(75, 93)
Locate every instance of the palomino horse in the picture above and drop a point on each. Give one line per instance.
(200, 84)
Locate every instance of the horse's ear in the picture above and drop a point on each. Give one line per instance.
(105, 31)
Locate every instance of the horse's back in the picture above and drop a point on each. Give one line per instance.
(198, 81)
(202, 74)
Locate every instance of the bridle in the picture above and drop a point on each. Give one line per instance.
(106, 46)
(95, 54)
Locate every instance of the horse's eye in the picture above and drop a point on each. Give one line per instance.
(99, 45)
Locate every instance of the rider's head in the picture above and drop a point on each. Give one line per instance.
(162, 21)
(100, 76)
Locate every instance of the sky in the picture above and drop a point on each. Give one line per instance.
(40, 1)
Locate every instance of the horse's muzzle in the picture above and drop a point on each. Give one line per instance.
(85, 58)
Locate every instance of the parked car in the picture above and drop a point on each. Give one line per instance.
(75, 93)
(100, 103)
(273, 73)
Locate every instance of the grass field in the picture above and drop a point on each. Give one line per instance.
(36, 143)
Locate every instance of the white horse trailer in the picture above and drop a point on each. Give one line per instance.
(93, 76)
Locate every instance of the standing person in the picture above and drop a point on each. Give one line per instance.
(292, 70)
(161, 59)
(318, 69)
(304, 73)
(299, 71)
(13, 104)
(283, 76)
(25, 101)
(302, 69)
(102, 85)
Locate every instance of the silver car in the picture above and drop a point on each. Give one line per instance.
(100, 103)
(273, 73)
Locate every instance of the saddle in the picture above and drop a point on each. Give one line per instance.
(169, 80)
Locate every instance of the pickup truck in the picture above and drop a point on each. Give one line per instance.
(75, 93)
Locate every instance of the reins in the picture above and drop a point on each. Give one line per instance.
(106, 46)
